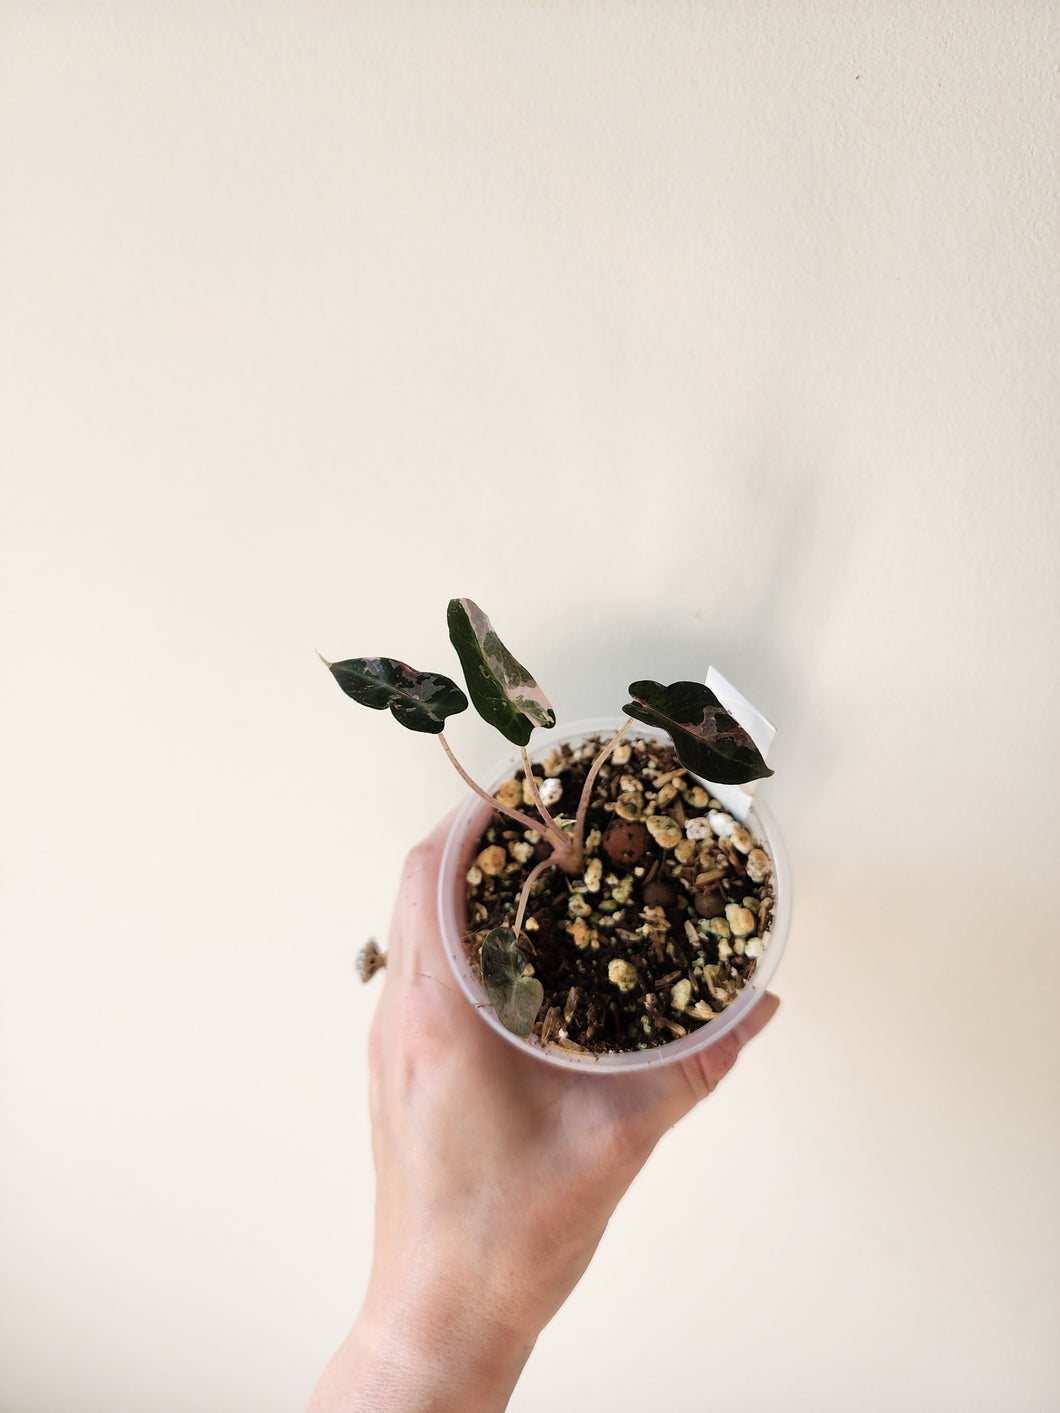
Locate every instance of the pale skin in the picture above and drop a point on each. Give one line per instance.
(495, 1178)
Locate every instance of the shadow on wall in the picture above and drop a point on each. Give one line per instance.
(765, 627)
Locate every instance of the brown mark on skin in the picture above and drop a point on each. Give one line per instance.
(370, 959)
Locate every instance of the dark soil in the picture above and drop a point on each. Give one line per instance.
(641, 949)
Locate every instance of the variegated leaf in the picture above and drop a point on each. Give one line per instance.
(516, 998)
(707, 739)
(419, 700)
(502, 691)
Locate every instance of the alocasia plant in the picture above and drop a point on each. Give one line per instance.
(706, 739)
(516, 997)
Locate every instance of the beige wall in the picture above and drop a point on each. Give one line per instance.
(671, 333)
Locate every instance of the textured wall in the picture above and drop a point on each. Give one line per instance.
(672, 334)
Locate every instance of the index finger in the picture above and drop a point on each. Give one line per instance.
(414, 922)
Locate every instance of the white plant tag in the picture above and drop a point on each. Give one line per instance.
(737, 798)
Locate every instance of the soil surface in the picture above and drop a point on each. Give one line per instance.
(664, 926)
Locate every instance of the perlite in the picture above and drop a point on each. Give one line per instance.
(665, 831)
(622, 974)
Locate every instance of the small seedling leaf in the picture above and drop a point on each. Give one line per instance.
(502, 691)
(708, 741)
(419, 700)
(516, 998)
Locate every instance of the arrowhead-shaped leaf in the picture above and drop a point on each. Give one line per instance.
(503, 692)
(706, 738)
(516, 998)
(419, 700)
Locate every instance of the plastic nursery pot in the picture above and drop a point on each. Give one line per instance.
(460, 849)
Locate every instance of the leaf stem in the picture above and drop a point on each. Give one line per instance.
(550, 823)
(523, 819)
(587, 788)
(524, 897)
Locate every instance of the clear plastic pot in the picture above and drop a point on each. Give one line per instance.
(470, 822)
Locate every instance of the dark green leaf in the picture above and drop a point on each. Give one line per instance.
(503, 692)
(419, 700)
(516, 998)
(706, 738)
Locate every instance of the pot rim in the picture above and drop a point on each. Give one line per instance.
(464, 833)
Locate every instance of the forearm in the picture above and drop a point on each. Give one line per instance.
(441, 1355)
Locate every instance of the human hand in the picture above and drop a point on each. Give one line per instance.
(495, 1177)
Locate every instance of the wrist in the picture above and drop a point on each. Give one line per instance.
(440, 1350)
(448, 1350)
